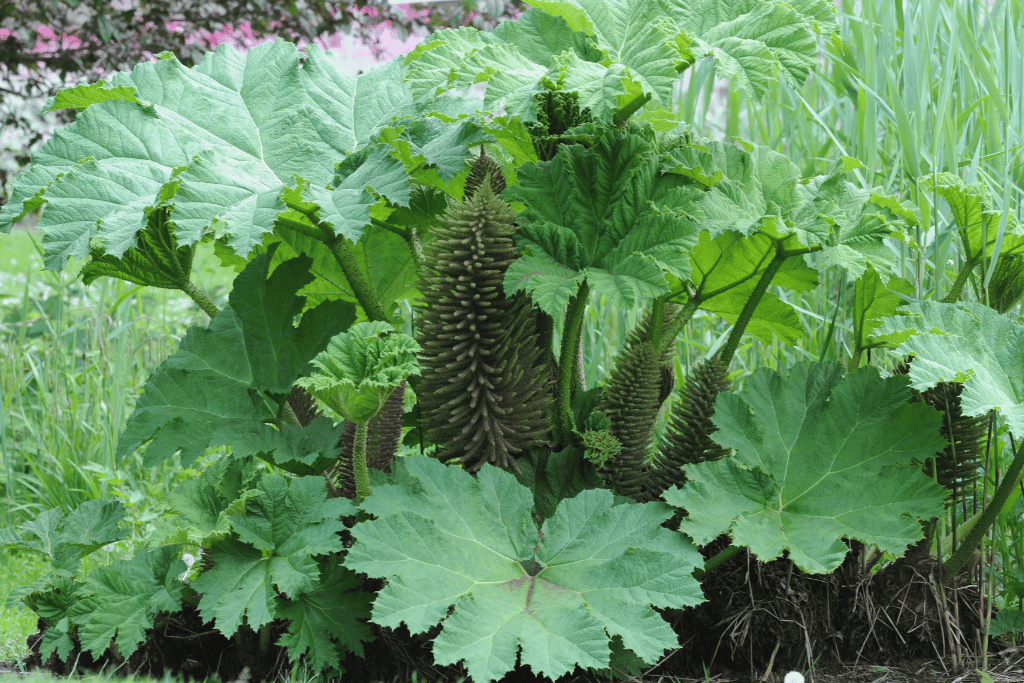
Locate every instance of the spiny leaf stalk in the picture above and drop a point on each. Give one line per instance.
(484, 391)
(384, 431)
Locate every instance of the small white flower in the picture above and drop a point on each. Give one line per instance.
(793, 677)
(189, 560)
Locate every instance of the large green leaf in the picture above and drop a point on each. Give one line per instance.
(746, 185)
(725, 272)
(278, 536)
(845, 220)
(817, 457)
(968, 343)
(590, 216)
(617, 54)
(220, 140)
(157, 260)
(443, 539)
(215, 389)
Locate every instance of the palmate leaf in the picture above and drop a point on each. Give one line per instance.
(210, 391)
(278, 536)
(968, 343)
(117, 601)
(817, 457)
(444, 538)
(220, 140)
(590, 216)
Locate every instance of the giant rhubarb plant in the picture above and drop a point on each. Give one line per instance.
(340, 198)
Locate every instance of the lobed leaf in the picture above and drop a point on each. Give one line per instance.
(278, 536)
(817, 457)
(213, 390)
(217, 143)
(443, 538)
(590, 215)
(329, 620)
(117, 601)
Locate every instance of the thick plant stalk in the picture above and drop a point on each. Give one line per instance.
(728, 350)
(197, 295)
(567, 362)
(343, 255)
(961, 279)
(360, 287)
(733, 342)
(359, 469)
(384, 431)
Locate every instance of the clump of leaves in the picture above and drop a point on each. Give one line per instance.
(281, 560)
(688, 438)
(465, 551)
(356, 374)
(799, 438)
(483, 392)
(229, 382)
(65, 540)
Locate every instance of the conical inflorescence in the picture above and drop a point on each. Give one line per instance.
(957, 467)
(633, 395)
(688, 437)
(484, 391)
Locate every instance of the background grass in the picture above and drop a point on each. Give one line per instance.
(915, 88)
